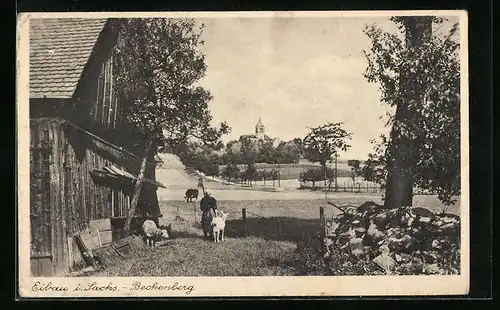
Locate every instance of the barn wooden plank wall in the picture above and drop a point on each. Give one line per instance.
(64, 197)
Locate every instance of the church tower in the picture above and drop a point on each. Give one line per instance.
(259, 130)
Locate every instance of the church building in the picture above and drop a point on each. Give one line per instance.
(260, 135)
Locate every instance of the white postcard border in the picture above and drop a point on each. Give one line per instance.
(231, 286)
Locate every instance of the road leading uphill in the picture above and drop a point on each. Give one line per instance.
(171, 172)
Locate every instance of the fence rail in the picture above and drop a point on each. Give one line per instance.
(346, 187)
(309, 230)
(280, 228)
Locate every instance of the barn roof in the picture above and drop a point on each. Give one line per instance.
(113, 172)
(59, 50)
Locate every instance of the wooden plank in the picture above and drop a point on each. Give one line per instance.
(36, 208)
(115, 111)
(53, 207)
(35, 268)
(45, 210)
(69, 192)
(61, 255)
(77, 256)
(94, 106)
(105, 102)
(90, 238)
(130, 245)
(118, 250)
(107, 256)
(70, 253)
(84, 188)
(92, 186)
(101, 224)
(114, 202)
(86, 252)
(106, 237)
(45, 267)
(119, 204)
(77, 197)
(111, 103)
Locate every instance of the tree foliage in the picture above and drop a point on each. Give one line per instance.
(250, 174)
(230, 172)
(245, 150)
(324, 141)
(158, 64)
(374, 170)
(355, 168)
(313, 175)
(200, 156)
(423, 79)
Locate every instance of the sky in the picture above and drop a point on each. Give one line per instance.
(294, 73)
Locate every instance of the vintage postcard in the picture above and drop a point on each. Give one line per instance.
(212, 154)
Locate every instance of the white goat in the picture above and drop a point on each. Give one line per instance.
(152, 233)
(218, 225)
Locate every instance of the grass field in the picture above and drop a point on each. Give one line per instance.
(281, 230)
(278, 231)
(197, 257)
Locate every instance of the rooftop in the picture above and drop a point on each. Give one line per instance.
(59, 50)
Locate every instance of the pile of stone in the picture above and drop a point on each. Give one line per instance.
(409, 240)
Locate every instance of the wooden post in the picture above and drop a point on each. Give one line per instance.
(326, 199)
(70, 253)
(278, 223)
(112, 203)
(194, 211)
(279, 174)
(244, 217)
(322, 221)
(336, 172)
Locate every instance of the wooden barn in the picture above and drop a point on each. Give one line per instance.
(84, 156)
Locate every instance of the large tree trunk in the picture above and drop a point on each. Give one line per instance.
(138, 187)
(401, 151)
(399, 190)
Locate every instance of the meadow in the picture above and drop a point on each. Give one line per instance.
(292, 171)
(281, 240)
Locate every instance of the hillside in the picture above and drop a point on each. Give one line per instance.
(171, 172)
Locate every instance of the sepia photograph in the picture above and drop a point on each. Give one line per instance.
(243, 153)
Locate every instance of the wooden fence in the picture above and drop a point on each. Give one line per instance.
(348, 188)
(281, 228)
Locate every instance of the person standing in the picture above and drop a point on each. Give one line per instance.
(208, 207)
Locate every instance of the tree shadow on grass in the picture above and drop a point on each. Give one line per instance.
(290, 229)
(303, 232)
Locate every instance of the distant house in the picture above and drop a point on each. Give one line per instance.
(84, 156)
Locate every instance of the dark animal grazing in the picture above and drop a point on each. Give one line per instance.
(190, 194)
(208, 206)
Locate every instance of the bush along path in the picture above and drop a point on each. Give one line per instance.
(404, 241)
